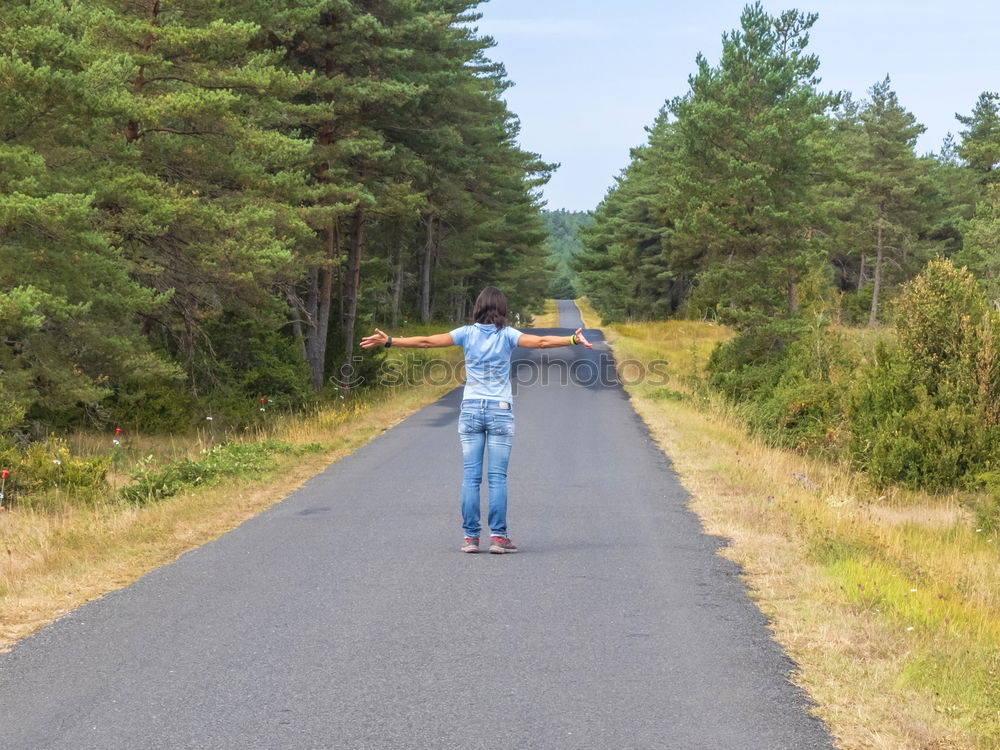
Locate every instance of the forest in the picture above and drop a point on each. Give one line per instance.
(564, 246)
(205, 204)
(862, 280)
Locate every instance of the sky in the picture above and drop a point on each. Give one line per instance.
(589, 75)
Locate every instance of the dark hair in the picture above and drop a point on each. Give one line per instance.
(491, 307)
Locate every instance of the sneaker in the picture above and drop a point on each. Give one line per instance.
(471, 544)
(501, 545)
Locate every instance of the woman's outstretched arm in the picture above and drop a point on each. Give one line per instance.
(531, 341)
(380, 338)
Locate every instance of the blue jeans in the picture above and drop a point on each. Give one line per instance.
(485, 424)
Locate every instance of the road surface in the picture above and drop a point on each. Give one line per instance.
(345, 616)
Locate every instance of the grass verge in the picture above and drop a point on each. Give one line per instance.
(57, 553)
(549, 317)
(889, 603)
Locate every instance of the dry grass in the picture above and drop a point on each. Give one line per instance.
(889, 604)
(549, 317)
(56, 559)
(588, 314)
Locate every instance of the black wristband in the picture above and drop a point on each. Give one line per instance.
(388, 341)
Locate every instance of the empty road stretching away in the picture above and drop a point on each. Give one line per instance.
(346, 617)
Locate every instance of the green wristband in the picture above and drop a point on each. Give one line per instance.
(572, 340)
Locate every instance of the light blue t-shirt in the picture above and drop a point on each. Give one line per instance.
(487, 359)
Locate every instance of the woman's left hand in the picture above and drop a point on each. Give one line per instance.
(581, 339)
(379, 338)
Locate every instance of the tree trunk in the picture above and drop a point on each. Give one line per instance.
(861, 271)
(460, 303)
(312, 313)
(325, 297)
(318, 301)
(139, 83)
(873, 315)
(426, 268)
(314, 350)
(319, 296)
(397, 289)
(793, 297)
(352, 287)
(295, 303)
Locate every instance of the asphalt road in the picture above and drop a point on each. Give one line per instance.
(346, 617)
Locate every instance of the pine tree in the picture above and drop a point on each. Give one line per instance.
(980, 149)
(836, 227)
(194, 181)
(888, 178)
(949, 201)
(982, 251)
(480, 222)
(630, 268)
(980, 145)
(748, 129)
(415, 167)
(720, 200)
(65, 299)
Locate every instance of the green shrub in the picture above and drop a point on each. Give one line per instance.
(801, 412)
(251, 359)
(49, 465)
(154, 406)
(901, 434)
(10, 456)
(856, 306)
(232, 459)
(789, 378)
(938, 318)
(924, 415)
(754, 361)
(667, 394)
(986, 504)
(12, 408)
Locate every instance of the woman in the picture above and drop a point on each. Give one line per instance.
(487, 416)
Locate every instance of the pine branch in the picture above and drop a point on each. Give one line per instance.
(177, 132)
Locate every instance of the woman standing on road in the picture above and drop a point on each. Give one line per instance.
(487, 417)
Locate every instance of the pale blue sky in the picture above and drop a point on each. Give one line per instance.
(590, 74)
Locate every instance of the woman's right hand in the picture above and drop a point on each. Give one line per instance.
(379, 338)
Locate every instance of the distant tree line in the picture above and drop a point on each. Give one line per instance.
(564, 245)
(202, 203)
